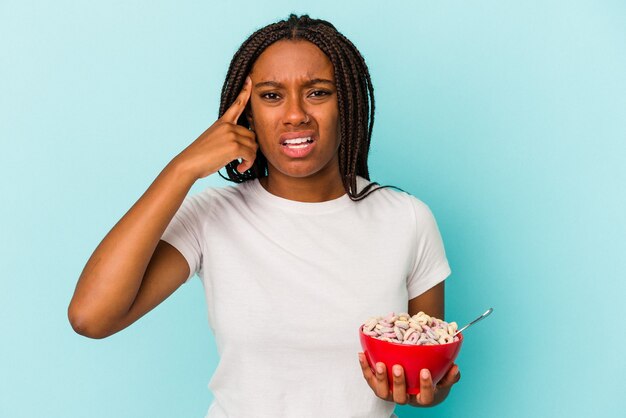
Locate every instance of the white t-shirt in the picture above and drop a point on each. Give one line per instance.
(288, 284)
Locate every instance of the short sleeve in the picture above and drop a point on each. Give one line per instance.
(431, 265)
(183, 233)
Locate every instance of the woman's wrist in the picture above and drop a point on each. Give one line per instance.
(181, 171)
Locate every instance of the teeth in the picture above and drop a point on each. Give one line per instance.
(296, 140)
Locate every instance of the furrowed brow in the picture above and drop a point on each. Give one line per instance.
(311, 82)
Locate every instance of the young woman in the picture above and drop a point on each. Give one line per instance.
(297, 254)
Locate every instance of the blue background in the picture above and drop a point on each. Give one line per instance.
(506, 118)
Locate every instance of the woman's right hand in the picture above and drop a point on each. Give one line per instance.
(222, 143)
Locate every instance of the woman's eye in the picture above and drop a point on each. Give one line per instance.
(320, 93)
(270, 96)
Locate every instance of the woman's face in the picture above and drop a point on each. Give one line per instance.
(294, 97)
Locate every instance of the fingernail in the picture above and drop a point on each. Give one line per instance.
(396, 371)
(424, 374)
(361, 357)
(379, 368)
(248, 80)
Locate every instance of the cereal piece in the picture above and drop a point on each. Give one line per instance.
(369, 326)
(399, 333)
(408, 333)
(417, 327)
(402, 324)
(391, 317)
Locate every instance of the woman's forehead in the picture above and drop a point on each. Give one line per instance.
(290, 61)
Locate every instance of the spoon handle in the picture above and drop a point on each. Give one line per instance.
(475, 320)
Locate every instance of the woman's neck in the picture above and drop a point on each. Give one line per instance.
(318, 188)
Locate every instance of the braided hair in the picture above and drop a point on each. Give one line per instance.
(355, 95)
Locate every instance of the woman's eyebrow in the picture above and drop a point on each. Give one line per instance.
(306, 84)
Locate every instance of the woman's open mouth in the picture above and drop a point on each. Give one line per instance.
(298, 147)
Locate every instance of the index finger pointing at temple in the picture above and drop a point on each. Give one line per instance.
(234, 111)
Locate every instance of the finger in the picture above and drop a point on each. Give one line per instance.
(234, 111)
(244, 133)
(427, 389)
(381, 385)
(399, 385)
(246, 145)
(246, 164)
(451, 377)
(247, 155)
(366, 369)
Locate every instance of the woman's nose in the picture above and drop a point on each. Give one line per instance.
(295, 113)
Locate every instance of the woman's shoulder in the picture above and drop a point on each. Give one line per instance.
(393, 196)
(385, 191)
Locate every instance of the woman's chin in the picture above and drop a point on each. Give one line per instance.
(296, 169)
(304, 168)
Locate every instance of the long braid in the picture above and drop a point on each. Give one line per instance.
(355, 96)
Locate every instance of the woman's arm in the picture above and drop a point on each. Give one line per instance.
(112, 278)
(131, 272)
(431, 302)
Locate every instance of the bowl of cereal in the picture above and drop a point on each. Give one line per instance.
(416, 343)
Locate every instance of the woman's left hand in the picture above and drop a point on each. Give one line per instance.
(429, 394)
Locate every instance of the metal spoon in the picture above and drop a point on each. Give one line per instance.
(475, 320)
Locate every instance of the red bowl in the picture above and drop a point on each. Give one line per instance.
(436, 358)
